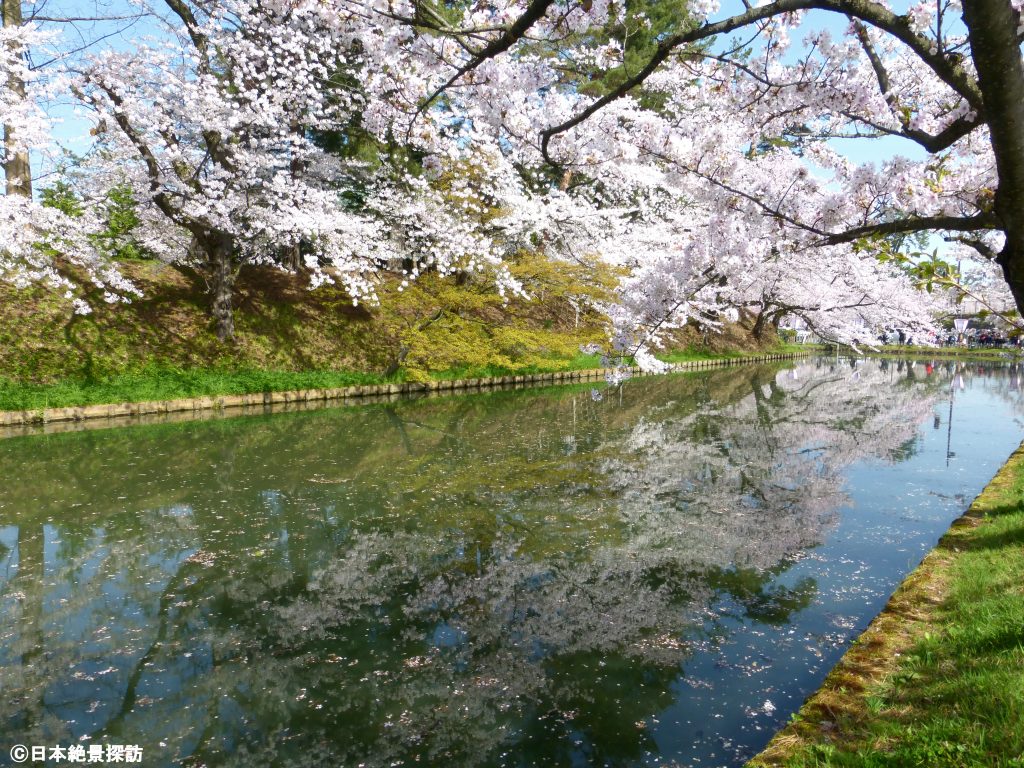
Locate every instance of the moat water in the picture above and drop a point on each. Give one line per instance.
(654, 574)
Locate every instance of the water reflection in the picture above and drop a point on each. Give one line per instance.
(512, 579)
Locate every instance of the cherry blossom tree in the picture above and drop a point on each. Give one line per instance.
(22, 119)
(700, 166)
(219, 127)
(741, 129)
(215, 120)
(40, 243)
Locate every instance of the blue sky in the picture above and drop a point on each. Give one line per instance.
(858, 150)
(72, 132)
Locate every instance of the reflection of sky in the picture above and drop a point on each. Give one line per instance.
(898, 513)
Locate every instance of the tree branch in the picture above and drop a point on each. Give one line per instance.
(978, 245)
(183, 12)
(534, 12)
(916, 224)
(148, 158)
(974, 223)
(948, 70)
(932, 143)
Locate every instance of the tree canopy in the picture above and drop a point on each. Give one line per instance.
(690, 148)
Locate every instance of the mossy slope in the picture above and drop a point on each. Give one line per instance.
(288, 336)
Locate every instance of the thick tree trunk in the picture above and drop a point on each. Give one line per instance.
(16, 169)
(1011, 260)
(291, 257)
(396, 364)
(215, 252)
(760, 324)
(223, 285)
(992, 31)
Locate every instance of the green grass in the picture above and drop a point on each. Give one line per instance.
(891, 350)
(166, 383)
(162, 346)
(580, 362)
(939, 680)
(169, 383)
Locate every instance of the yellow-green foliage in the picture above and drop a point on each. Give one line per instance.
(436, 324)
(283, 326)
(468, 328)
(280, 325)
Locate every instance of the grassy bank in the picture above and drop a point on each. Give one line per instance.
(281, 325)
(169, 383)
(161, 346)
(155, 382)
(938, 678)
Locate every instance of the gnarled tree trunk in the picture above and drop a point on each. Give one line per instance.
(215, 253)
(760, 325)
(992, 32)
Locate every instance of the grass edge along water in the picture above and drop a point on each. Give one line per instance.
(937, 679)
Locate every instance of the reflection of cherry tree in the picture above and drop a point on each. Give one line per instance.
(443, 580)
(525, 627)
(752, 482)
(45, 613)
(1005, 379)
(695, 498)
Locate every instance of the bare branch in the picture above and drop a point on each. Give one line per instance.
(73, 19)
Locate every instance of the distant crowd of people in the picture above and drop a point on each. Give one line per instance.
(897, 336)
(972, 337)
(992, 339)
